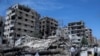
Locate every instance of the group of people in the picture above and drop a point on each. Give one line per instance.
(73, 50)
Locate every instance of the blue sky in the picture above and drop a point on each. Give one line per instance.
(64, 11)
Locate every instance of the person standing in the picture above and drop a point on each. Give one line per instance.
(72, 51)
(95, 51)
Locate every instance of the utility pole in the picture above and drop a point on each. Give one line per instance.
(62, 23)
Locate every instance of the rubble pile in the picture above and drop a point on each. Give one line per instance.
(26, 45)
(53, 46)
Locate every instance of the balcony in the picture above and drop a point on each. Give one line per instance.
(6, 33)
(6, 22)
(7, 17)
(8, 12)
(12, 31)
(12, 14)
(76, 25)
(6, 27)
(11, 25)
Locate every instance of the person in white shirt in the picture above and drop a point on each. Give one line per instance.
(95, 51)
(72, 50)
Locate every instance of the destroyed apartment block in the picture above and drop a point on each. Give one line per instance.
(53, 46)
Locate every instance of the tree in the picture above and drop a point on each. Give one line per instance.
(84, 41)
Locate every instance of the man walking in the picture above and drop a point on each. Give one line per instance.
(95, 51)
(72, 51)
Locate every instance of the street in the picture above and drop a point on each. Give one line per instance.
(84, 53)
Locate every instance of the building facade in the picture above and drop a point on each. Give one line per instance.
(88, 33)
(94, 41)
(75, 40)
(81, 30)
(48, 26)
(62, 32)
(20, 21)
(77, 28)
(1, 28)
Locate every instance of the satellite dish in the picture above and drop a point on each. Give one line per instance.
(37, 54)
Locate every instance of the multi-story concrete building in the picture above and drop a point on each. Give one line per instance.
(94, 40)
(88, 33)
(1, 28)
(62, 32)
(81, 30)
(75, 40)
(77, 28)
(48, 26)
(20, 20)
(98, 42)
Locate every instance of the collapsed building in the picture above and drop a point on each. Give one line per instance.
(53, 46)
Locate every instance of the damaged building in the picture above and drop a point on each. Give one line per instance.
(20, 20)
(1, 29)
(26, 45)
(48, 26)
